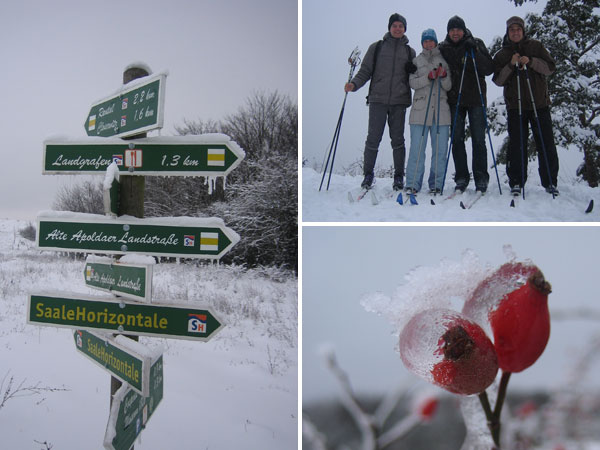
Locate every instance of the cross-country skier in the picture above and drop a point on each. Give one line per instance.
(456, 50)
(534, 65)
(387, 64)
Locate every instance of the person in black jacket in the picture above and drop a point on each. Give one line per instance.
(456, 50)
(519, 49)
(387, 64)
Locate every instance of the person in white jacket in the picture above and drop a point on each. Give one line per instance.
(429, 81)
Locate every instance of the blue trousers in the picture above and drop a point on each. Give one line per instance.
(415, 168)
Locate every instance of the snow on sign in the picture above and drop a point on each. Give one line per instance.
(130, 411)
(119, 316)
(118, 357)
(202, 155)
(188, 237)
(128, 280)
(137, 107)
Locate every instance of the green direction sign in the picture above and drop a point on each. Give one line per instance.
(122, 362)
(119, 316)
(128, 280)
(130, 411)
(134, 109)
(188, 237)
(201, 155)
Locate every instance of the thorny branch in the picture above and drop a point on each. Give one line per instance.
(10, 390)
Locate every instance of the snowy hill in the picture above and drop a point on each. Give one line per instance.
(333, 205)
(239, 390)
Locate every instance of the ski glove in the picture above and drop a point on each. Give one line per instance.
(433, 74)
(441, 72)
(470, 44)
(410, 67)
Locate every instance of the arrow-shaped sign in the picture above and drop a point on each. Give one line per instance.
(130, 411)
(128, 280)
(119, 316)
(188, 237)
(124, 358)
(137, 107)
(199, 155)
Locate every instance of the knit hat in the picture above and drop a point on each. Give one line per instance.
(428, 35)
(515, 20)
(396, 18)
(456, 22)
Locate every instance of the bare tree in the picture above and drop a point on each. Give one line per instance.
(86, 197)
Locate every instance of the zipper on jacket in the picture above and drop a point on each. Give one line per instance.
(393, 71)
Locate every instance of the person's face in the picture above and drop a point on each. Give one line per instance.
(515, 33)
(429, 44)
(456, 34)
(397, 29)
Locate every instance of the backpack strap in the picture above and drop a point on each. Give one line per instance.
(377, 51)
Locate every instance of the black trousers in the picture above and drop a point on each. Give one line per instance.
(395, 116)
(516, 168)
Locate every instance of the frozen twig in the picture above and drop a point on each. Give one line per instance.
(312, 435)
(363, 420)
(8, 389)
(398, 430)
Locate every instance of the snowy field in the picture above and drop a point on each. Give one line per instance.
(333, 205)
(239, 390)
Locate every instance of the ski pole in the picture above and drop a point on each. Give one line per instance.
(462, 77)
(437, 132)
(423, 133)
(485, 118)
(539, 128)
(521, 130)
(353, 60)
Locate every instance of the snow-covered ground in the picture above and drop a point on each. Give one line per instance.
(333, 205)
(239, 390)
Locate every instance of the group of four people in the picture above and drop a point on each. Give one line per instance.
(449, 83)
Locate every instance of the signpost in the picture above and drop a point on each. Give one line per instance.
(130, 411)
(187, 237)
(129, 113)
(118, 357)
(136, 108)
(204, 155)
(118, 316)
(128, 280)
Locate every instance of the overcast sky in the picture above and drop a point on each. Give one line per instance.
(341, 265)
(331, 29)
(57, 58)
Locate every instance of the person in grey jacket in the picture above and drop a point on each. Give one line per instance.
(387, 64)
(430, 79)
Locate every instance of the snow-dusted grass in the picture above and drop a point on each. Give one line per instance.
(239, 390)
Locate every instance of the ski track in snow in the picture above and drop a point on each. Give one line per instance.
(239, 390)
(333, 206)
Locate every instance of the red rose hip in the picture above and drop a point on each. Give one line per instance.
(449, 350)
(521, 323)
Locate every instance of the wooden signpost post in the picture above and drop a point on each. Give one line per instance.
(128, 114)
